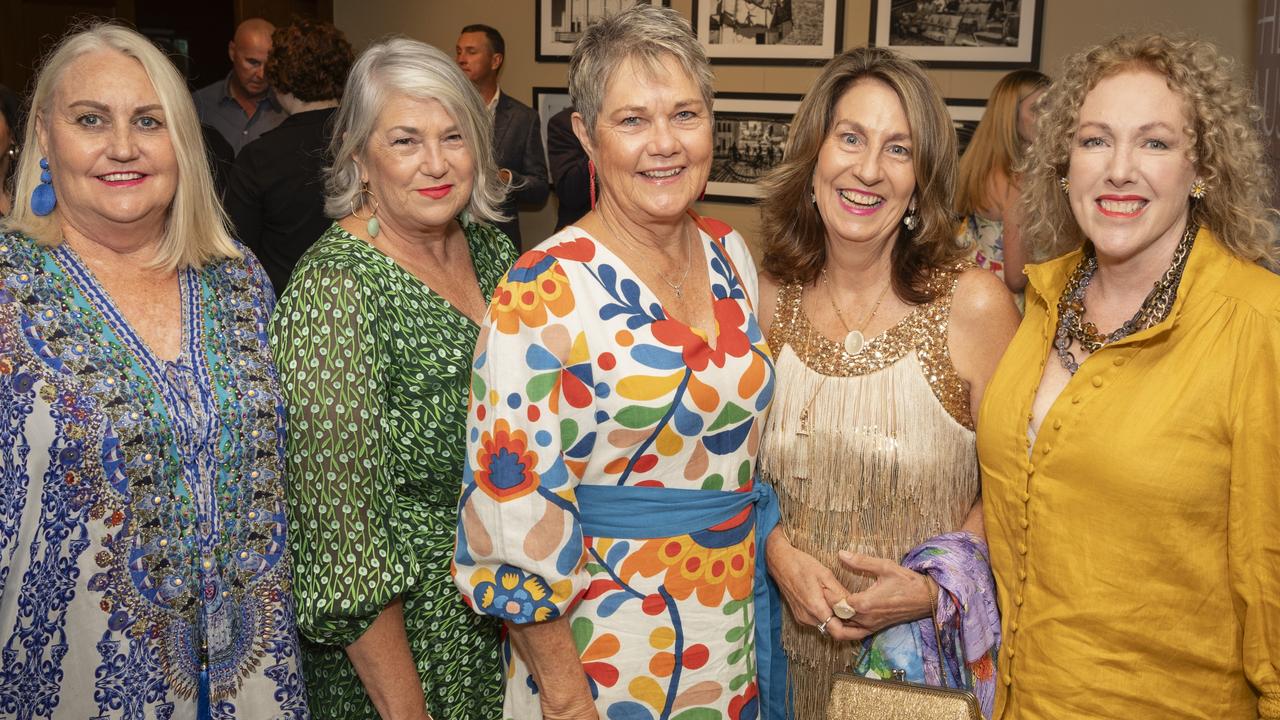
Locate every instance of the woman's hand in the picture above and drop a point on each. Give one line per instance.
(898, 595)
(808, 586)
(549, 650)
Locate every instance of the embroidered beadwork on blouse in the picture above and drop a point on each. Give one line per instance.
(923, 330)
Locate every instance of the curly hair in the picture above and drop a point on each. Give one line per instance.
(1222, 128)
(309, 60)
(795, 248)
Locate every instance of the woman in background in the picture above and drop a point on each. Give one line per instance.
(10, 112)
(987, 189)
(275, 195)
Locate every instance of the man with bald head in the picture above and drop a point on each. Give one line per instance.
(242, 106)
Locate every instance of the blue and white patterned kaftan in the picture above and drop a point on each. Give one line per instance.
(142, 530)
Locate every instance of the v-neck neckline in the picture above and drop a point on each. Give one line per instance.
(485, 295)
(102, 302)
(701, 333)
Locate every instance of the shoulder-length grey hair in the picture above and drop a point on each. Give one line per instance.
(413, 68)
(196, 231)
(643, 33)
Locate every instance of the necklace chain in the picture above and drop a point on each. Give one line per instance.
(853, 339)
(1154, 309)
(677, 287)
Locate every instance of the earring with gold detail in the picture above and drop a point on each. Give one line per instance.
(1065, 184)
(1199, 188)
(372, 226)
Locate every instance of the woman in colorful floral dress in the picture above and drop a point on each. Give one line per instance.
(609, 511)
(142, 518)
(374, 337)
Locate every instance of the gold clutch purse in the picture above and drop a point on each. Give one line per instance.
(861, 698)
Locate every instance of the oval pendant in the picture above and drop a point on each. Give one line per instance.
(853, 342)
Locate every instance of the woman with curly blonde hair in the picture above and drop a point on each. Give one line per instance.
(1129, 439)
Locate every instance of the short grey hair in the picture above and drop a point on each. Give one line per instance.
(400, 65)
(643, 33)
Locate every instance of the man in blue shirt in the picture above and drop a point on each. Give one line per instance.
(242, 106)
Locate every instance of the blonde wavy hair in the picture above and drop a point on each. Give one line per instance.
(1225, 145)
(996, 147)
(196, 231)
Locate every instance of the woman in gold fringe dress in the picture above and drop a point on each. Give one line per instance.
(884, 342)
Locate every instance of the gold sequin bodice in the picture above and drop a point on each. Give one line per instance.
(885, 459)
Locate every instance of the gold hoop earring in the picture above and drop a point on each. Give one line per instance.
(371, 225)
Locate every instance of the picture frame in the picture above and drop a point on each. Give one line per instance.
(749, 136)
(990, 34)
(965, 113)
(559, 23)
(769, 32)
(548, 101)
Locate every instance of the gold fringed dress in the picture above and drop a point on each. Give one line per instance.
(884, 460)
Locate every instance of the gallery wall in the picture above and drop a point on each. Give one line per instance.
(1067, 25)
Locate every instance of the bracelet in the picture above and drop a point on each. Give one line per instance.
(933, 598)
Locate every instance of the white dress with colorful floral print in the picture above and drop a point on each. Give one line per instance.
(582, 379)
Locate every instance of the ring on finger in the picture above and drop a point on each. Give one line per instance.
(843, 610)
(822, 626)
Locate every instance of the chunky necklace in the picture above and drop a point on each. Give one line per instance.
(854, 340)
(1154, 309)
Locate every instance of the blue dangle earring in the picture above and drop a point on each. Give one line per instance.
(42, 198)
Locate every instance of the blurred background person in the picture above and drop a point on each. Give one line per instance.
(517, 142)
(242, 106)
(988, 191)
(10, 131)
(276, 193)
(144, 449)
(609, 512)
(884, 344)
(375, 335)
(570, 170)
(1129, 437)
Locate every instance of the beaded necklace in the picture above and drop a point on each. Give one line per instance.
(1155, 307)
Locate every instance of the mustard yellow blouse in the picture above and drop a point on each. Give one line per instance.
(1136, 544)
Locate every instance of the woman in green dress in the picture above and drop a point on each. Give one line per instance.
(374, 338)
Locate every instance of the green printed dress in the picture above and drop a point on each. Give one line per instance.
(375, 368)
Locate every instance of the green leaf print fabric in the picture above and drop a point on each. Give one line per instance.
(374, 368)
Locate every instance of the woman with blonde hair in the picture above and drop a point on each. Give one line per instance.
(1129, 441)
(884, 342)
(144, 522)
(987, 188)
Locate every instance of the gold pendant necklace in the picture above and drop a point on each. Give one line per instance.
(854, 340)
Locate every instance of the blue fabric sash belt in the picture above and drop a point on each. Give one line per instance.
(642, 513)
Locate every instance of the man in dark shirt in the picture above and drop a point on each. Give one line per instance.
(242, 105)
(570, 175)
(517, 142)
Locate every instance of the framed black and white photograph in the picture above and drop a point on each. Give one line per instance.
(548, 101)
(965, 116)
(561, 22)
(750, 134)
(996, 34)
(769, 32)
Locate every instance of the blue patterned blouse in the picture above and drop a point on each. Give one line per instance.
(143, 571)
